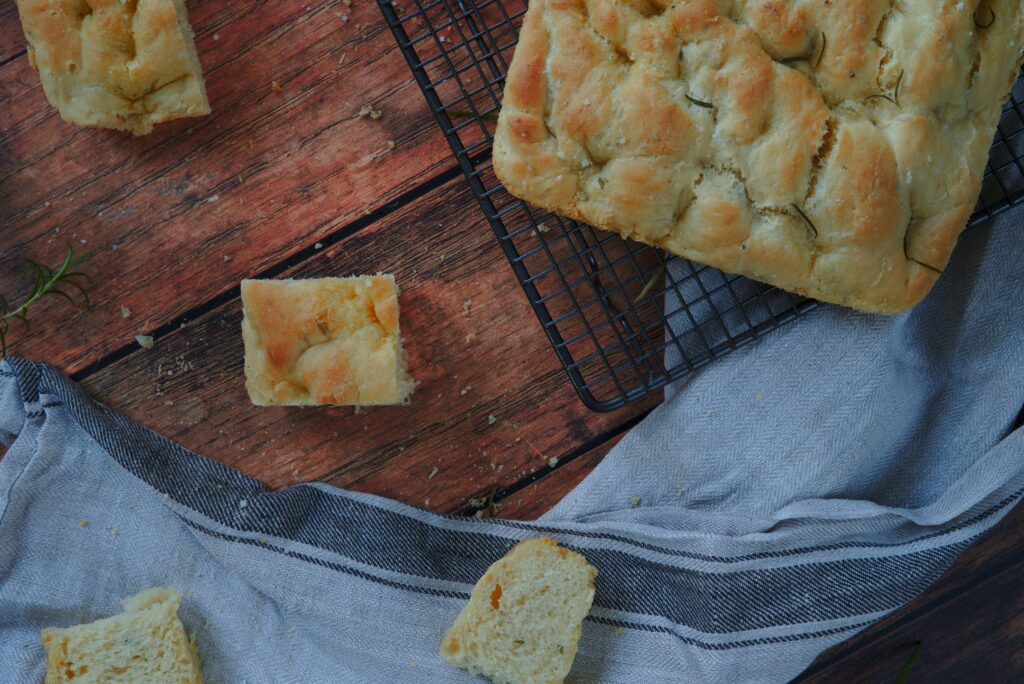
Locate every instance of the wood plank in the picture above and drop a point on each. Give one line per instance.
(267, 173)
(12, 40)
(492, 407)
(538, 497)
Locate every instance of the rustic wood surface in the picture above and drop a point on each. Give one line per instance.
(294, 182)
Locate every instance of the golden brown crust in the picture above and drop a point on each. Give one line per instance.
(832, 149)
(123, 64)
(323, 341)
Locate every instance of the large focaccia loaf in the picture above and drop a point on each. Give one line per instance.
(833, 149)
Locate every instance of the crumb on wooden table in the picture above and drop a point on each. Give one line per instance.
(145, 341)
(125, 312)
(370, 111)
(491, 419)
(433, 472)
(553, 461)
(275, 87)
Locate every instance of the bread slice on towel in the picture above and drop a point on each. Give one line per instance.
(145, 643)
(524, 618)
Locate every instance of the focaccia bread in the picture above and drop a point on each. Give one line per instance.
(324, 341)
(524, 617)
(123, 64)
(834, 149)
(145, 643)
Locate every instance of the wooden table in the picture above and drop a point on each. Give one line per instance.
(291, 181)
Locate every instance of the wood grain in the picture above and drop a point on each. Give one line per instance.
(492, 407)
(266, 175)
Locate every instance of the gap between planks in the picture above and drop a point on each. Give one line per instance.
(294, 259)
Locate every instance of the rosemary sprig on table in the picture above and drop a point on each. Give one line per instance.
(45, 281)
(902, 676)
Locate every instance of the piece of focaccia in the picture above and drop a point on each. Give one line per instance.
(123, 64)
(324, 341)
(834, 149)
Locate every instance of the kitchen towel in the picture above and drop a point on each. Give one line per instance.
(780, 500)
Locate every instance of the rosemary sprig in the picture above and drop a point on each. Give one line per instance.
(810, 223)
(463, 114)
(902, 676)
(705, 105)
(45, 281)
(990, 21)
(906, 253)
(650, 283)
(895, 98)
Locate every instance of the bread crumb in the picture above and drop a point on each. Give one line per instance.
(243, 503)
(275, 86)
(465, 390)
(125, 312)
(113, 532)
(433, 472)
(341, 60)
(391, 144)
(553, 461)
(169, 402)
(491, 420)
(618, 631)
(371, 111)
(635, 501)
(83, 521)
(758, 397)
(542, 228)
(145, 341)
(470, 337)
(261, 540)
(466, 304)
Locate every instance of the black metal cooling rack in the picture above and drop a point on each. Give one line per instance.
(625, 319)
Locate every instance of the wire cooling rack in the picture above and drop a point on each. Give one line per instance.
(625, 319)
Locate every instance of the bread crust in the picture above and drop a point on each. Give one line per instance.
(122, 64)
(323, 341)
(835, 149)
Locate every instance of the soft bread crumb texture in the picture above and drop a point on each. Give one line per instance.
(145, 643)
(523, 622)
(122, 64)
(324, 341)
(834, 149)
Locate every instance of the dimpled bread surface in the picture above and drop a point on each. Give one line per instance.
(123, 64)
(324, 341)
(834, 149)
